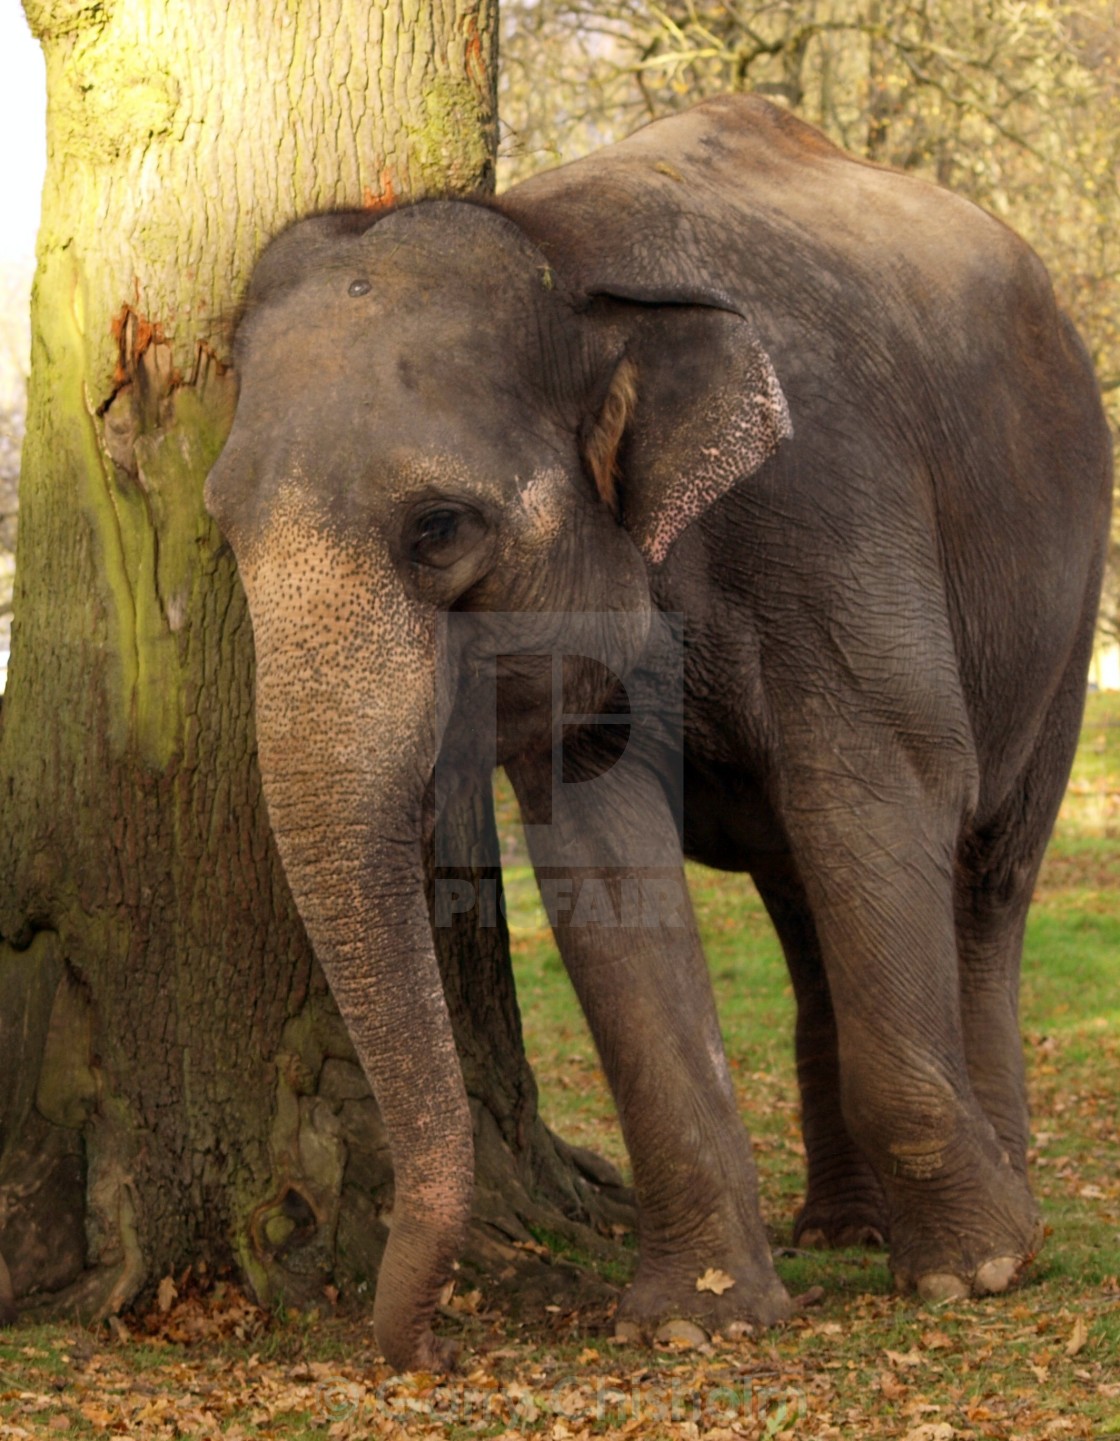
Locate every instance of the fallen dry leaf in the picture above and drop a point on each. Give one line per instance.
(535, 1247)
(905, 1358)
(891, 1387)
(167, 1296)
(1077, 1337)
(466, 1303)
(716, 1281)
(931, 1431)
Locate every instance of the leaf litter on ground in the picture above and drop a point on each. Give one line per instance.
(1042, 1364)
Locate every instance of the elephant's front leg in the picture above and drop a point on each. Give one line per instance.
(628, 938)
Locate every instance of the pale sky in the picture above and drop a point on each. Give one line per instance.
(23, 126)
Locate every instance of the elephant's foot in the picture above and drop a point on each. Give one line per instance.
(692, 1302)
(968, 1246)
(846, 1216)
(814, 1231)
(844, 1200)
(991, 1278)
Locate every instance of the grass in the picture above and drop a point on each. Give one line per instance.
(1043, 1362)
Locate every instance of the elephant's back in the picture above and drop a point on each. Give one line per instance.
(739, 196)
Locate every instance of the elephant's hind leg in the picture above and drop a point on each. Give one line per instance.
(844, 1202)
(997, 868)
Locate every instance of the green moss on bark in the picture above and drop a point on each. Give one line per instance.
(451, 141)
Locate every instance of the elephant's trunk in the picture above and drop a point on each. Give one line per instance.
(346, 741)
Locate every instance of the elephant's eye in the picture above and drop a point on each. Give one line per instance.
(437, 527)
(444, 535)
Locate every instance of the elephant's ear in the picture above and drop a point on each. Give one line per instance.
(692, 406)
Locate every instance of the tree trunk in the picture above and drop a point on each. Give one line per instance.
(175, 1082)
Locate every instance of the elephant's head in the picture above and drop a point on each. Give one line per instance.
(430, 421)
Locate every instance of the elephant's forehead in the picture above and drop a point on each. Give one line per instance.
(414, 385)
(448, 338)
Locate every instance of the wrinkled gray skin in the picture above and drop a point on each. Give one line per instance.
(886, 542)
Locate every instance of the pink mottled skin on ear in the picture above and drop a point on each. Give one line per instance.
(750, 423)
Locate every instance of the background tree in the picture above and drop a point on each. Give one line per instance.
(175, 1083)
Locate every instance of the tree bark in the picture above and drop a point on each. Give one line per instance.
(175, 1082)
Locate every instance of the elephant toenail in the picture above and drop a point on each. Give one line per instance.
(996, 1275)
(942, 1286)
(681, 1333)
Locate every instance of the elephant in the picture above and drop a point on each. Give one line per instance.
(795, 473)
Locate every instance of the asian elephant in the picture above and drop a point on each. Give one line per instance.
(799, 458)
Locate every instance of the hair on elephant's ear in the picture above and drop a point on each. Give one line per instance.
(603, 441)
(695, 407)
